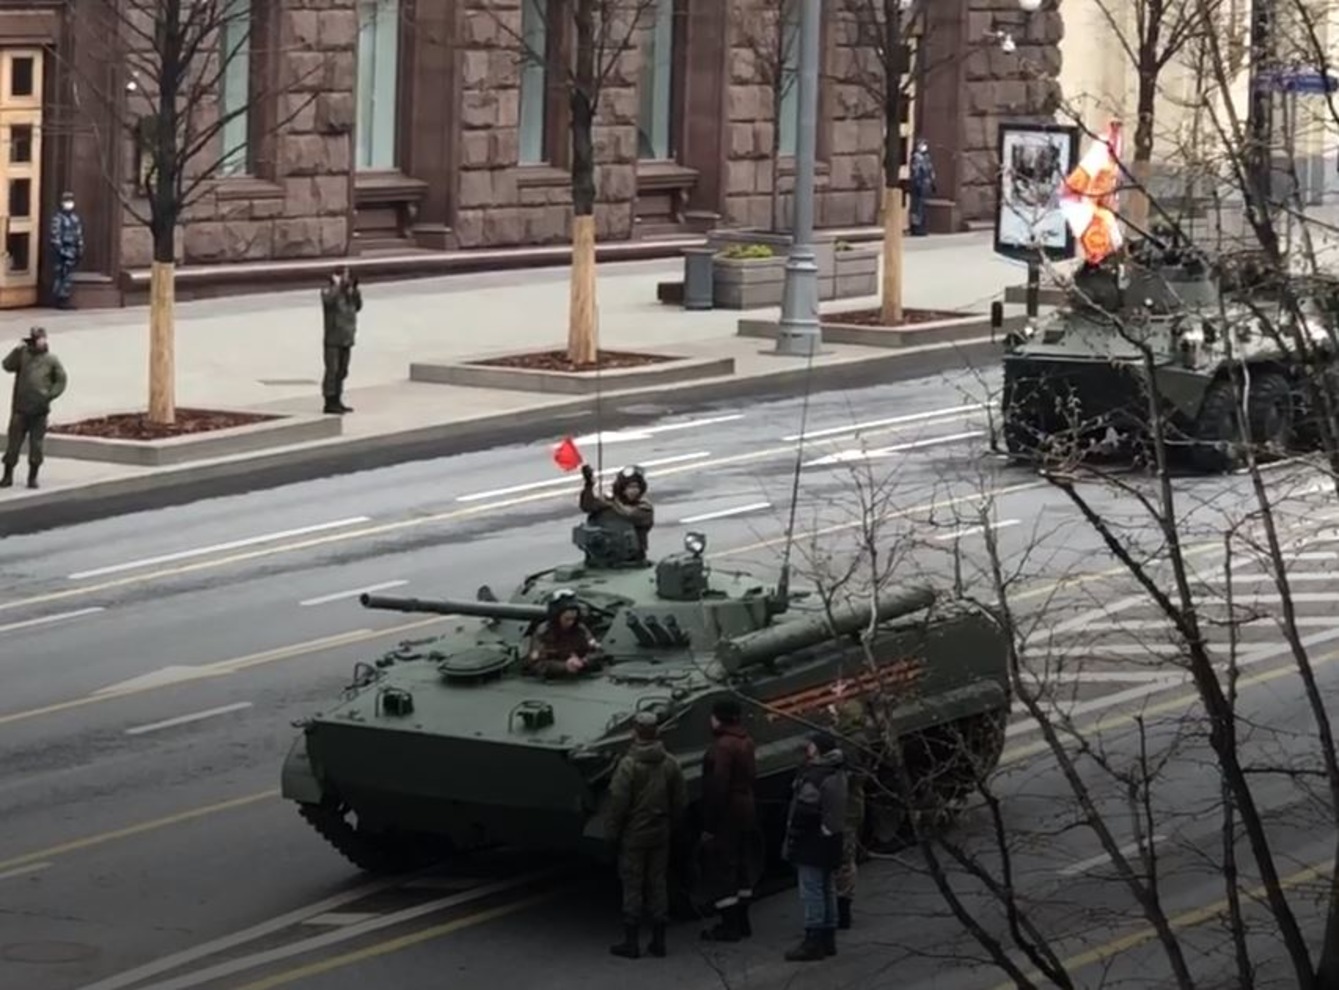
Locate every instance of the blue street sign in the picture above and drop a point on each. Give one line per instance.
(1297, 81)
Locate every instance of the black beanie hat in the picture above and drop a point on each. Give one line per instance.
(726, 711)
(824, 742)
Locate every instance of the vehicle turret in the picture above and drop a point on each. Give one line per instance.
(446, 606)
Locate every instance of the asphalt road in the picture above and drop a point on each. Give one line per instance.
(153, 665)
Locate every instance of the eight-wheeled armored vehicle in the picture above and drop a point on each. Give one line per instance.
(445, 745)
(1080, 379)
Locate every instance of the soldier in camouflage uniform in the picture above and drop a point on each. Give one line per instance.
(647, 801)
(563, 646)
(39, 380)
(849, 724)
(341, 301)
(67, 246)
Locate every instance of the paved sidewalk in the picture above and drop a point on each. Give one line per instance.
(263, 351)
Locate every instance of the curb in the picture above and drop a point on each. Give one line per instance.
(22, 513)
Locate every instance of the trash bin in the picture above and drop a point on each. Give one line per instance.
(699, 285)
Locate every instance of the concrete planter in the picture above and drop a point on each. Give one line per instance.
(471, 374)
(747, 283)
(825, 251)
(253, 437)
(857, 273)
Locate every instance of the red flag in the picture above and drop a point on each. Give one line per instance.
(566, 455)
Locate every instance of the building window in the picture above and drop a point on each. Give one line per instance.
(534, 83)
(378, 75)
(789, 52)
(656, 88)
(235, 87)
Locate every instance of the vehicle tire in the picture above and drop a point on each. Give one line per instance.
(1218, 444)
(385, 853)
(1308, 432)
(1269, 411)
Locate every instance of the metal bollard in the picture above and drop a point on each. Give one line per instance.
(699, 283)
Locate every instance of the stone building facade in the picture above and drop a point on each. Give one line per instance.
(384, 126)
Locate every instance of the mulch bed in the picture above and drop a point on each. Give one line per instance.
(874, 317)
(557, 361)
(136, 426)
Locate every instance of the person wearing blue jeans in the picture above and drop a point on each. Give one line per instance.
(814, 843)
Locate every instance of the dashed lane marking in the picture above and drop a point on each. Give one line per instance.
(47, 620)
(1084, 865)
(340, 596)
(249, 541)
(738, 510)
(171, 723)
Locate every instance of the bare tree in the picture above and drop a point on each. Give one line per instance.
(164, 101)
(769, 31)
(585, 45)
(1153, 35)
(883, 66)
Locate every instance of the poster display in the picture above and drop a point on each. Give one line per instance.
(1034, 161)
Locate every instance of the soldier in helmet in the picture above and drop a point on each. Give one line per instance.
(628, 500)
(563, 645)
(67, 246)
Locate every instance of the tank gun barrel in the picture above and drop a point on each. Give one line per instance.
(446, 606)
(790, 637)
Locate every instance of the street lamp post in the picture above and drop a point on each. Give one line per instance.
(799, 332)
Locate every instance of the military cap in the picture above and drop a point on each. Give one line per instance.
(727, 710)
(645, 720)
(824, 742)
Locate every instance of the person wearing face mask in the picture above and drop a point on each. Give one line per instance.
(67, 244)
(39, 379)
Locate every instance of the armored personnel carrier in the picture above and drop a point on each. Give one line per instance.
(1080, 379)
(444, 745)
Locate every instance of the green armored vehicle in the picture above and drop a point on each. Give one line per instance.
(445, 745)
(1078, 381)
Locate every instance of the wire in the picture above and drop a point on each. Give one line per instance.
(799, 459)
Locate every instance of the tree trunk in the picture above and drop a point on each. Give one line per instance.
(582, 332)
(892, 256)
(892, 164)
(1136, 204)
(162, 360)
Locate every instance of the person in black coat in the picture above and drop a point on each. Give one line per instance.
(814, 843)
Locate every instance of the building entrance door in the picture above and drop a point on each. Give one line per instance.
(20, 175)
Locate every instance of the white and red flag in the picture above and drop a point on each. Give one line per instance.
(1088, 197)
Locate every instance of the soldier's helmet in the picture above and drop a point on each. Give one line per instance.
(630, 475)
(563, 600)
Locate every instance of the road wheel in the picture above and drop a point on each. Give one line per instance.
(375, 852)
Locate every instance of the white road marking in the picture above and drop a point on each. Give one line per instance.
(722, 513)
(169, 963)
(48, 619)
(19, 871)
(340, 919)
(623, 436)
(175, 673)
(531, 486)
(847, 456)
(1102, 677)
(1129, 849)
(1137, 625)
(341, 595)
(139, 730)
(1098, 650)
(959, 534)
(1134, 694)
(241, 965)
(958, 412)
(1302, 577)
(218, 547)
(1080, 622)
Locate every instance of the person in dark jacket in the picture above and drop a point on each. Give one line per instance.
(814, 843)
(731, 843)
(341, 301)
(562, 647)
(849, 720)
(647, 800)
(39, 380)
(628, 500)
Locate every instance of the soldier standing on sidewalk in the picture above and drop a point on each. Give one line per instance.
(67, 242)
(39, 380)
(849, 717)
(647, 800)
(341, 300)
